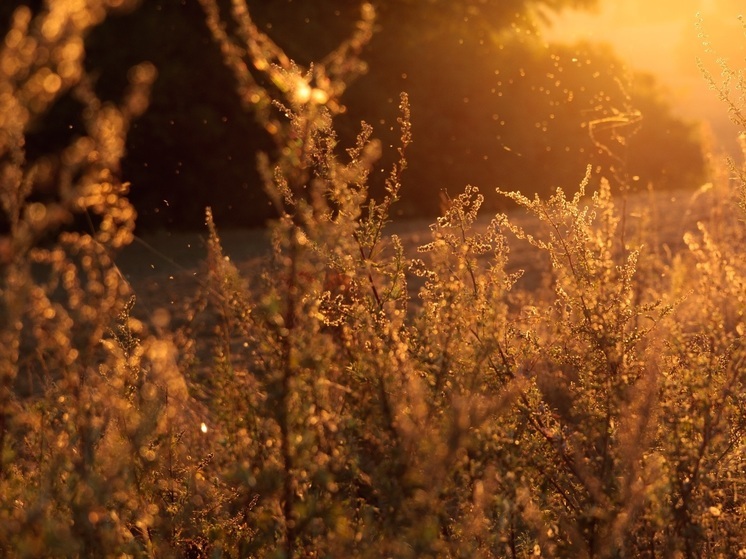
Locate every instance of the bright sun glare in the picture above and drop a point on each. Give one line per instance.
(662, 38)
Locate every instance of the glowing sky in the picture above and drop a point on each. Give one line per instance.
(661, 36)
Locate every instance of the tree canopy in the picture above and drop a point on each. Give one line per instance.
(492, 104)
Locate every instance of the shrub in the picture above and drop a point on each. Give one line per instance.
(94, 421)
(328, 412)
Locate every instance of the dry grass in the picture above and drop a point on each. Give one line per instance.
(351, 388)
(168, 266)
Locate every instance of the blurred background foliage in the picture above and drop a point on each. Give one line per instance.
(493, 105)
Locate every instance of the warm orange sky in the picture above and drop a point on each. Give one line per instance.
(660, 36)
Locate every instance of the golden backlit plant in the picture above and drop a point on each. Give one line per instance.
(92, 418)
(472, 420)
(353, 397)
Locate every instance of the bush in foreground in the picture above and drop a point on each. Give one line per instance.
(331, 414)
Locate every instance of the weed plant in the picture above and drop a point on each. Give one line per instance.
(327, 412)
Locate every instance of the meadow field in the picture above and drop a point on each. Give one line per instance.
(562, 379)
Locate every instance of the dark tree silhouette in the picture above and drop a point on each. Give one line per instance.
(491, 105)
